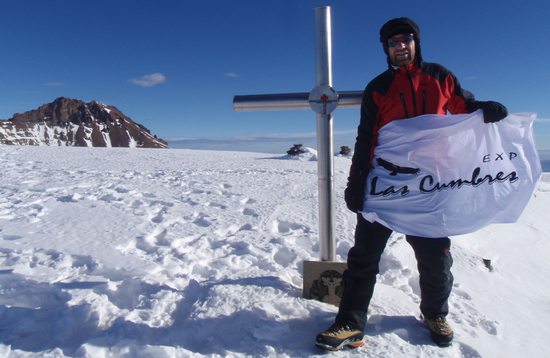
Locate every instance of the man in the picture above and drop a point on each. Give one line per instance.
(409, 88)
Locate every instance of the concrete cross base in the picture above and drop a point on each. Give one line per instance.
(324, 281)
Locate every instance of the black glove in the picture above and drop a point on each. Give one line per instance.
(492, 111)
(354, 195)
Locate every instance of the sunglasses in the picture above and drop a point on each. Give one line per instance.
(407, 39)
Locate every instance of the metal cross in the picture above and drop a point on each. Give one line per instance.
(323, 99)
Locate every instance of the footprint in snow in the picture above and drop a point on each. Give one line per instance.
(10, 237)
(284, 256)
(463, 311)
(215, 205)
(202, 221)
(250, 212)
(287, 227)
(247, 201)
(158, 217)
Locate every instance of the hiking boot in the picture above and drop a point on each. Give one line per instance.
(440, 331)
(339, 336)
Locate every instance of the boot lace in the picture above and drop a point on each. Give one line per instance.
(338, 328)
(440, 325)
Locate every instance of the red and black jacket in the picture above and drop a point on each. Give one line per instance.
(398, 93)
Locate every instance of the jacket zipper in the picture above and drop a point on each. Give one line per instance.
(424, 102)
(412, 92)
(404, 104)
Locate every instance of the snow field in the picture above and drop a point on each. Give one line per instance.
(177, 253)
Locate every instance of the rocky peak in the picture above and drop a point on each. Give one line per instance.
(72, 122)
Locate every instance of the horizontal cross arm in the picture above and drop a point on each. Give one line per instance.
(270, 102)
(349, 99)
(290, 101)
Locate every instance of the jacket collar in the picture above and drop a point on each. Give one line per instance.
(411, 67)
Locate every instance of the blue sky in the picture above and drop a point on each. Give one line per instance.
(174, 66)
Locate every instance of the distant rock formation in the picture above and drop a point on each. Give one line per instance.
(72, 122)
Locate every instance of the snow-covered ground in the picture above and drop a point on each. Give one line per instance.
(181, 253)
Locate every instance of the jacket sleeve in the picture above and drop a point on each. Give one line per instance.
(360, 162)
(461, 101)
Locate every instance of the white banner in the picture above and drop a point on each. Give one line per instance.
(436, 176)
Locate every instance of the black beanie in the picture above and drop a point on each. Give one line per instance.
(400, 25)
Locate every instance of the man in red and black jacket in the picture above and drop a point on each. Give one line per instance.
(408, 88)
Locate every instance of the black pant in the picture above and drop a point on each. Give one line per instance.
(434, 261)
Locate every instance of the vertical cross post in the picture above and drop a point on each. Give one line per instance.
(325, 162)
(323, 99)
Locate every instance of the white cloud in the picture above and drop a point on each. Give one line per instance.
(150, 80)
(231, 74)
